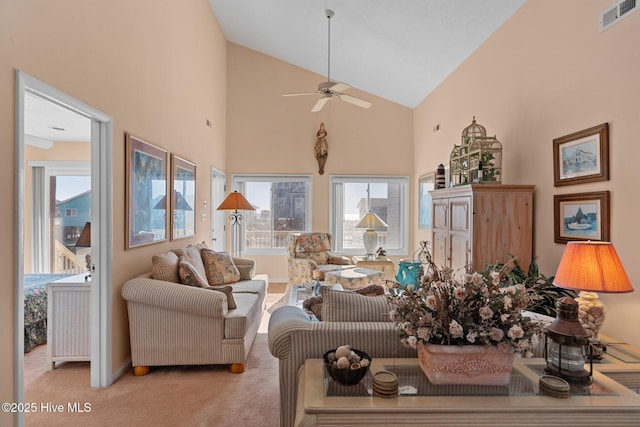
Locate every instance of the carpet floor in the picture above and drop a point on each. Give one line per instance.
(167, 396)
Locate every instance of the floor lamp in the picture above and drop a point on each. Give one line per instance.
(235, 202)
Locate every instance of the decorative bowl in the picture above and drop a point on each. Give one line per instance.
(350, 375)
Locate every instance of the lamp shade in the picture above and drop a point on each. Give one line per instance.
(371, 220)
(235, 201)
(84, 241)
(592, 267)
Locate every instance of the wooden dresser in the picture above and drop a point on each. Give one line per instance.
(479, 224)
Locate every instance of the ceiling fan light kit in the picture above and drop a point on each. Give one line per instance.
(329, 89)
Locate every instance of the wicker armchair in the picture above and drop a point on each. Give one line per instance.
(310, 257)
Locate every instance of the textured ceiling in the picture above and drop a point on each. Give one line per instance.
(399, 50)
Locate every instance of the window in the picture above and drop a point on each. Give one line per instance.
(353, 196)
(71, 212)
(282, 206)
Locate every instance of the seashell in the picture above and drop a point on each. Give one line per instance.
(343, 351)
(364, 363)
(342, 363)
(355, 366)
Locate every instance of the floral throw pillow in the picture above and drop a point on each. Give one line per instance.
(189, 275)
(219, 267)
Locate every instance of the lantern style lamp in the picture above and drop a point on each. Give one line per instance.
(591, 267)
(371, 222)
(566, 347)
(235, 202)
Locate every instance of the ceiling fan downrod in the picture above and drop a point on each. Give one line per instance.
(329, 14)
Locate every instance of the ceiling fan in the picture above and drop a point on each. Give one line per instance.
(330, 89)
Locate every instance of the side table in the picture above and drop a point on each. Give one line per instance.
(68, 320)
(381, 263)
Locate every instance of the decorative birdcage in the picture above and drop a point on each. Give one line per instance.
(478, 159)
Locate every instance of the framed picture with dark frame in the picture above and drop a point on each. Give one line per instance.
(426, 183)
(146, 181)
(581, 216)
(183, 200)
(582, 156)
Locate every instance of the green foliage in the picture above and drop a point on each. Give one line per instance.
(539, 283)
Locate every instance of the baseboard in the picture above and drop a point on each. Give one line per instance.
(120, 371)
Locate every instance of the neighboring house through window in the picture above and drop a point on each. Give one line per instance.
(282, 206)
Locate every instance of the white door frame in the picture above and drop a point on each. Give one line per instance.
(101, 236)
(218, 218)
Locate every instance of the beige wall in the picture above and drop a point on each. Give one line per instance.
(548, 72)
(269, 133)
(157, 68)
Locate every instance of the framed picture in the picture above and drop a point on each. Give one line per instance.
(146, 180)
(581, 216)
(582, 156)
(425, 184)
(183, 200)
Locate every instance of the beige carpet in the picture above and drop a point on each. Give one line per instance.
(167, 396)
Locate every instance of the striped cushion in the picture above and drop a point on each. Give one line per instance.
(340, 306)
(165, 267)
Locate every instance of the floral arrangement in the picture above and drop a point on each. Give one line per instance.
(471, 308)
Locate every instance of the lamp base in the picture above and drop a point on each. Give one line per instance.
(591, 314)
(582, 377)
(370, 240)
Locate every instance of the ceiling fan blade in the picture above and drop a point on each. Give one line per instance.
(340, 87)
(355, 101)
(298, 94)
(320, 104)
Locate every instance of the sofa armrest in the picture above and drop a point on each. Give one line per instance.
(281, 323)
(246, 267)
(176, 297)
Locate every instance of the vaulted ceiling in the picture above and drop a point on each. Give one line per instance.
(399, 50)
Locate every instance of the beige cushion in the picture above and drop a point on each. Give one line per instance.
(345, 306)
(189, 275)
(192, 254)
(219, 268)
(228, 291)
(165, 267)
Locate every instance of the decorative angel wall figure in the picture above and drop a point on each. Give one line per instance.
(321, 148)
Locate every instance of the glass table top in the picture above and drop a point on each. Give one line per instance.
(413, 382)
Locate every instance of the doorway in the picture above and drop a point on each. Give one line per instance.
(218, 218)
(101, 149)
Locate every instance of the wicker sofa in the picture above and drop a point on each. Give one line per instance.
(171, 323)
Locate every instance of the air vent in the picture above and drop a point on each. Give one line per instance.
(614, 14)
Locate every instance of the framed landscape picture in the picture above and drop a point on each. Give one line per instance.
(425, 184)
(581, 216)
(582, 156)
(146, 181)
(183, 201)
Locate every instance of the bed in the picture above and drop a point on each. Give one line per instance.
(35, 308)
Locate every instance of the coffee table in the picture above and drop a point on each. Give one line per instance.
(354, 278)
(321, 401)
